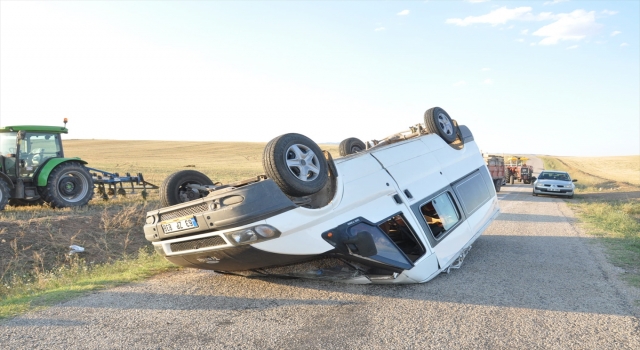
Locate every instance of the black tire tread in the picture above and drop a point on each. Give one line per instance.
(4, 194)
(345, 146)
(168, 196)
(430, 124)
(274, 150)
(49, 192)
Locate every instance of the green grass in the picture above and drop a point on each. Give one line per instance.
(79, 278)
(613, 218)
(617, 223)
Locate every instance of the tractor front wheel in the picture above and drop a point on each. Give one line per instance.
(4, 194)
(69, 185)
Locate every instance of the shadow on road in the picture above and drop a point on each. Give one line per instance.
(532, 217)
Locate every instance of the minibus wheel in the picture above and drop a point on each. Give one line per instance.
(350, 146)
(296, 164)
(437, 121)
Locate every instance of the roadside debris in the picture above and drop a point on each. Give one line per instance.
(75, 249)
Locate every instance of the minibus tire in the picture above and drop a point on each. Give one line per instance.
(438, 121)
(350, 146)
(285, 161)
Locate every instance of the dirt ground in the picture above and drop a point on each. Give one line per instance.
(37, 239)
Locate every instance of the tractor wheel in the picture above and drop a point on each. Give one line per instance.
(19, 202)
(69, 185)
(513, 179)
(4, 194)
(498, 184)
(437, 121)
(174, 188)
(296, 164)
(350, 146)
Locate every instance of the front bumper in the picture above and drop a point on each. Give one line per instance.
(219, 211)
(553, 191)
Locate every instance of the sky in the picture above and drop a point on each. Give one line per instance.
(550, 77)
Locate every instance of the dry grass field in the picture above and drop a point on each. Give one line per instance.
(620, 169)
(221, 161)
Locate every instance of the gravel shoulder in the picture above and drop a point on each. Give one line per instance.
(533, 280)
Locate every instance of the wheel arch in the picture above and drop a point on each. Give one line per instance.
(42, 174)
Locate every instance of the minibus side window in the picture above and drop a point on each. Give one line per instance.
(440, 214)
(472, 192)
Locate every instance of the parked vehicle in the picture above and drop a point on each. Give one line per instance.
(557, 183)
(34, 170)
(401, 210)
(518, 170)
(496, 167)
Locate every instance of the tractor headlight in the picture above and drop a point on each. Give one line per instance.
(253, 234)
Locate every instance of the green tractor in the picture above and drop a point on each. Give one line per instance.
(34, 170)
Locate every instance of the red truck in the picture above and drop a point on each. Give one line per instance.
(497, 169)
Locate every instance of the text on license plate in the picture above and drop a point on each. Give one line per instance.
(554, 189)
(179, 225)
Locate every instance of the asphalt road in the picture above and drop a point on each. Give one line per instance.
(533, 280)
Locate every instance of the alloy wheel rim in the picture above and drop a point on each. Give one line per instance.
(302, 162)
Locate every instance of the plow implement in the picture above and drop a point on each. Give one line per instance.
(113, 184)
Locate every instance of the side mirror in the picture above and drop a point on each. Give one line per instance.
(574, 180)
(363, 241)
(533, 178)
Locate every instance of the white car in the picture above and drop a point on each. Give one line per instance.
(557, 183)
(400, 210)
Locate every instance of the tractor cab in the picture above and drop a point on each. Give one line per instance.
(23, 149)
(26, 154)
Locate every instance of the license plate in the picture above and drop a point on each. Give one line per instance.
(179, 225)
(554, 189)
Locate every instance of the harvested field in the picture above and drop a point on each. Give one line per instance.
(620, 169)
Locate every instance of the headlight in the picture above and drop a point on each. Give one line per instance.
(265, 231)
(253, 234)
(245, 236)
